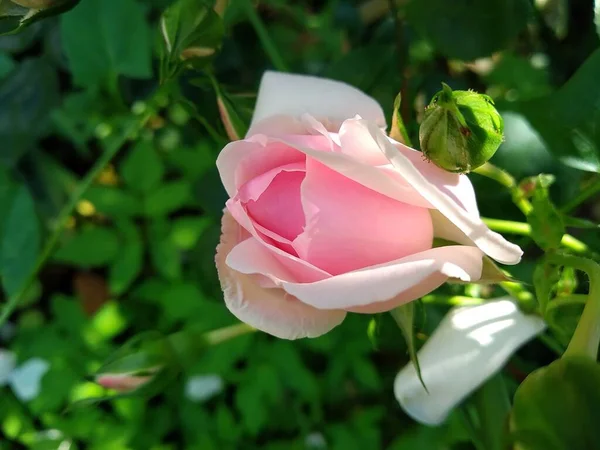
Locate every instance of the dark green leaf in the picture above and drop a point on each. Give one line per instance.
(106, 38)
(128, 264)
(27, 95)
(469, 29)
(167, 198)
(492, 403)
(143, 168)
(6, 64)
(20, 242)
(567, 120)
(165, 255)
(90, 247)
(557, 407)
(113, 201)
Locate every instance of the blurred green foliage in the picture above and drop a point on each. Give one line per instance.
(138, 251)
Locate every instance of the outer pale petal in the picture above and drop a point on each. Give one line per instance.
(469, 346)
(330, 102)
(271, 310)
(374, 289)
(470, 224)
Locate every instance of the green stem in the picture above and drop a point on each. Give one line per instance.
(110, 152)
(187, 344)
(584, 195)
(586, 338)
(508, 181)
(224, 334)
(263, 35)
(454, 300)
(524, 229)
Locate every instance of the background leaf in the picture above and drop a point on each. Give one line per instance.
(94, 33)
(21, 239)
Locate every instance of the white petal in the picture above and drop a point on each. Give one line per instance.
(329, 101)
(470, 345)
(200, 388)
(26, 379)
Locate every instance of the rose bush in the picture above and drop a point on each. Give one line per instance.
(327, 215)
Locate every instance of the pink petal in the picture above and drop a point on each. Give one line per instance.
(241, 161)
(470, 224)
(301, 271)
(330, 102)
(350, 226)
(273, 200)
(402, 281)
(373, 289)
(271, 310)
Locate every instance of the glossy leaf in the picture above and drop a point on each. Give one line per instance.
(567, 120)
(557, 407)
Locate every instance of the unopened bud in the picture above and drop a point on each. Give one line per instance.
(461, 130)
(124, 382)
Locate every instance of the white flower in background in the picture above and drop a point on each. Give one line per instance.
(470, 345)
(201, 388)
(24, 380)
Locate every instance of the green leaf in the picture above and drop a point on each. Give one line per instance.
(27, 95)
(187, 230)
(6, 64)
(166, 257)
(547, 227)
(568, 119)
(404, 316)
(113, 201)
(20, 242)
(106, 38)
(128, 264)
(90, 247)
(143, 168)
(557, 407)
(167, 198)
(192, 31)
(469, 29)
(492, 403)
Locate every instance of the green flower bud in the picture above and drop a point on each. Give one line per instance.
(461, 130)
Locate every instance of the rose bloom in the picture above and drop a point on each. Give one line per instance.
(328, 215)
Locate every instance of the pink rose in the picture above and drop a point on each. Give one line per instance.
(327, 215)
